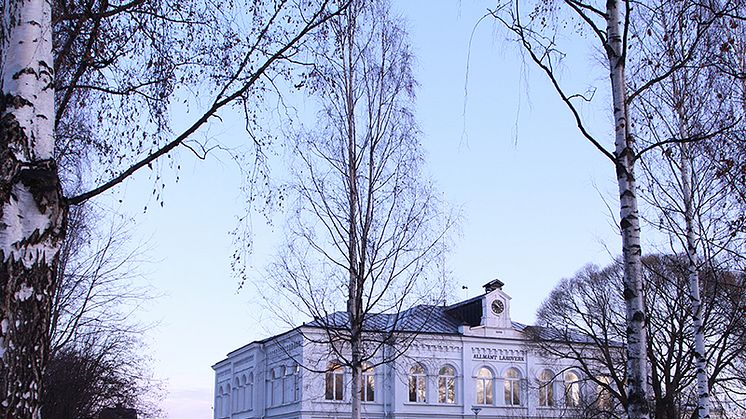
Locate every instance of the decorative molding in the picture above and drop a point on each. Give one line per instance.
(283, 349)
(436, 347)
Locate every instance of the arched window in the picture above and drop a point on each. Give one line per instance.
(227, 401)
(512, 387)
(278, 374)
(249, 390)
(219, 401)
(334, 382)
(368, 390)
(236, 389)
(240, 401)
(484, 386)
(288, 384)
(417, 384)
(447, 385)
(546, 388)
(296, 383)
(572, 389)
(604, 394)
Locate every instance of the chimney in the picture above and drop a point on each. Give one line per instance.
(495, 284)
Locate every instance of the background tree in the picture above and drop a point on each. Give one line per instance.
(589, 304)
(97, 358)
(366, 231)
(111, 58)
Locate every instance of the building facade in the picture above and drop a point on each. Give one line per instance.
(471, 360)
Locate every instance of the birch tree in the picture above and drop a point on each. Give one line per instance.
(33, 199)
(610, 25)
(608, 22)
(367, 228)
(699, 107)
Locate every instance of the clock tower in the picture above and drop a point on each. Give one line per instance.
(496, 306)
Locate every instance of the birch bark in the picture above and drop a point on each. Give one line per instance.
(698, 331)
(32, 210)
(637, 369)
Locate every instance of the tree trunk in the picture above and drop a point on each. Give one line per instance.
(33, 211)
(356, 383)
(698, 330)
(354, 297)
(637, 370)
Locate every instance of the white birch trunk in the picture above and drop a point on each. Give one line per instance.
(637, 368)
(33, 213)
(698, 330)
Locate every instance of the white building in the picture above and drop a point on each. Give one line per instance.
(470, 356)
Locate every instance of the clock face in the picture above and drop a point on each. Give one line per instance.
(498, 306)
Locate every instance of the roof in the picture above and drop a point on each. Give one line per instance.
(553, 334)
(418, 319)
(435, 319)
(446, 320)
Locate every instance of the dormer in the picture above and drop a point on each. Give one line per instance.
(496, 306)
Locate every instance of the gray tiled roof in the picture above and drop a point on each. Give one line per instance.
(442, 320)
(419, 319)
(562, 335)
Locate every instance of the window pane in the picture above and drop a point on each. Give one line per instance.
(370, 395)
(542, 395)
(329, 386)
(421, 397)
(546, 388)
(510, 392)
(480, 391)
(338, 386)
(451, 391)
(488, 391)
(572, 389)
(412, 389)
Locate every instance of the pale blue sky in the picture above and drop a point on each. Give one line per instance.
(530, 187)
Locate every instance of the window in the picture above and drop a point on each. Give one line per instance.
(572, 389)
(226, 406)
(288, 384)
(236, 392)
(546, 388)
(249, 392)
(447, 385)
(278, 374)
(512, 387)
(368, 390)
(604, 394)
(334, 382)
(484, 386)
(417, 385)
(219, 401)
